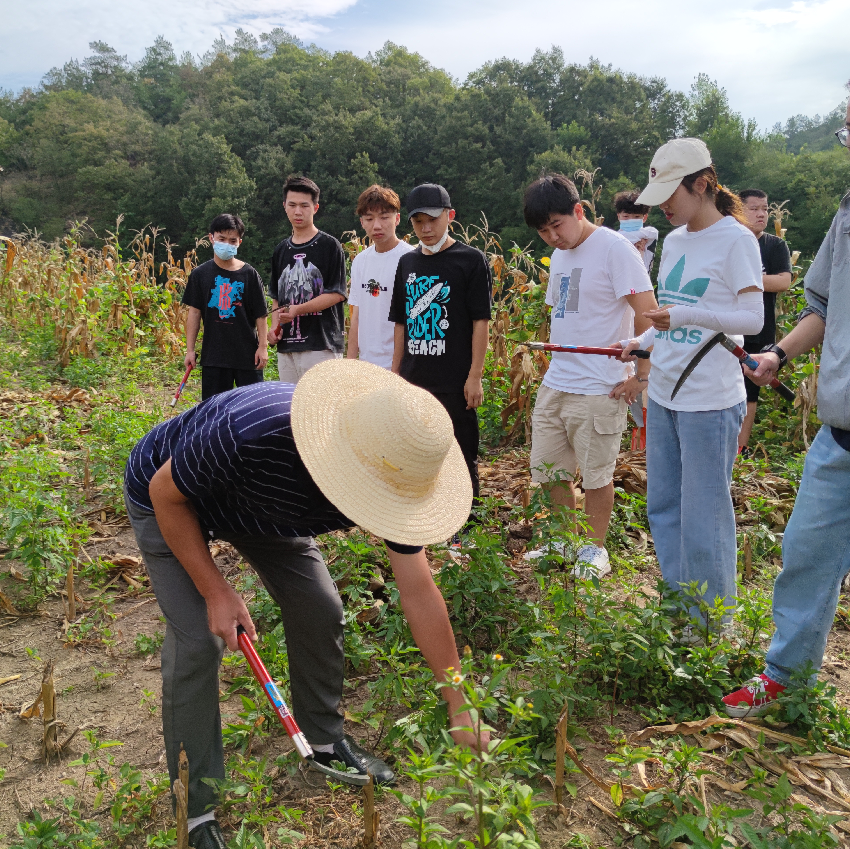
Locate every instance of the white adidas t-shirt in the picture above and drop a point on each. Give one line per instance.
(587, 292)
(372, 276)
(706, 270)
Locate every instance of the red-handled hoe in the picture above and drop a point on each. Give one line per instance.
(287, 720)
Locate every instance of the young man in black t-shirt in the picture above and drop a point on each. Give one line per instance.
(226, 294)
(776, 277)
(308, 279)
(441, 308)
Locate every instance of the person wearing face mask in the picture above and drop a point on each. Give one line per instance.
(632, 217)
(226, 295)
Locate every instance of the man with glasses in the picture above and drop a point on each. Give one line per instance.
(816, 546)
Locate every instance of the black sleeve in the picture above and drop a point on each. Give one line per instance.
(193, 296)
(397, 313)
(255, 298)
(780, 258)
(335, 277)
(479, 291)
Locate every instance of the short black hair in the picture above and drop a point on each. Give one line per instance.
(301, 184)
(752, 193)
(552, 194)
(224, 222)
(625, 202)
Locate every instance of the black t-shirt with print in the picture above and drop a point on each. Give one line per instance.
(230, 303)
(437, 298)
(301, 273)
(775, 258)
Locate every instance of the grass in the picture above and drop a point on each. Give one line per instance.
(542, 648)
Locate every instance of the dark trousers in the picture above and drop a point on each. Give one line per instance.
(215, 380)
(465, 424)
(292, 570)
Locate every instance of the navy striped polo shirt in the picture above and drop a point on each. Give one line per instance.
(234, 457)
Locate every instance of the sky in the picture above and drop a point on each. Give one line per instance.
(775, 58)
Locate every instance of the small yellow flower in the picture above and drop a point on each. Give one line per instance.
(497, 657)
(545, 261)
(531, 704)
(457, 678)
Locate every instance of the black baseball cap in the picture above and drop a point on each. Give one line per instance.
(428, 198)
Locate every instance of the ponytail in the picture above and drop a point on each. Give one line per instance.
(726, 201)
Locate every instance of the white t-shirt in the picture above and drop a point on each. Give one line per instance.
(372, 276)
(587, 292)
(651, 235)
(706, 270)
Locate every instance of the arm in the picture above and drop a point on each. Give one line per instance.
(426, 613)
(353, 339)
(747, 320)
(262, 355)
(318, 304)
(473, 390)
(193, 325)
(181, 530)
(629, 389)
(398, 348)
(777, 282)
(805, 336)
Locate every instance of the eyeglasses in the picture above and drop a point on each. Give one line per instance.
(842, 135)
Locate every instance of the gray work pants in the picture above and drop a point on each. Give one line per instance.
(292, 570)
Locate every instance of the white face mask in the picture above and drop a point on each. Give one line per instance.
(435, 248)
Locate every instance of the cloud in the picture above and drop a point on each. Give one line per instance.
(776, 58)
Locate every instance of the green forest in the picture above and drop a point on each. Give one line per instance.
(170, 141)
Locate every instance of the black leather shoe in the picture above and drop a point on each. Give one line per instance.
(207, 835)
(349, 753)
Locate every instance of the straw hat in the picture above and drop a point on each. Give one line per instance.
(382, 451)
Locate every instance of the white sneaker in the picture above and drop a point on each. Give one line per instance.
(550, 549)
(592, 561)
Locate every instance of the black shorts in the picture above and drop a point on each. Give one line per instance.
(752, 390)
(215, 379)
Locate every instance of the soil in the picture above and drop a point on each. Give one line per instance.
(116, 692)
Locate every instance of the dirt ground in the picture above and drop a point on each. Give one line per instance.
(118, 708)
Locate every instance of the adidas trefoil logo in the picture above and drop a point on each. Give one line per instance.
(671, 290)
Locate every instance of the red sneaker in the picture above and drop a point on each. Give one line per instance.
(754, 698)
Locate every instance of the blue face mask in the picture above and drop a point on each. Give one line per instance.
(630, 225)
(224, 251)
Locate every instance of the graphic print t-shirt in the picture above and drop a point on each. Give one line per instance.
(706, 270)
(775, 259)
(587, 292)
(230, 303)
(301, 273)
(436, 298)
(372, 278)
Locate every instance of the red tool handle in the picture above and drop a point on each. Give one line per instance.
(785, 391)
(273, 694)
(182, 386)
(579, 349)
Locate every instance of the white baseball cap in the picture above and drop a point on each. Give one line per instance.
(671, 164)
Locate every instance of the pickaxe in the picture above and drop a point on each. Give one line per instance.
(579, 349)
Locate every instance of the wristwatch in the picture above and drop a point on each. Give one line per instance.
(775, 349)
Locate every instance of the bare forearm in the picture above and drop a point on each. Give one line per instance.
(776, 282)
(805, 336)
(262, 331)
(480, 338)
(317, 304)
(398, 347)
(353, 330)
(193, 326)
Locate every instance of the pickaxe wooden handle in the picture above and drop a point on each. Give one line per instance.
(580, 349)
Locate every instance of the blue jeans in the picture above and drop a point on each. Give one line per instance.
(815, 558)
(689, 459)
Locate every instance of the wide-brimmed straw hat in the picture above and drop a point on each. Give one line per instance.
(382, 451)
(671, 164)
